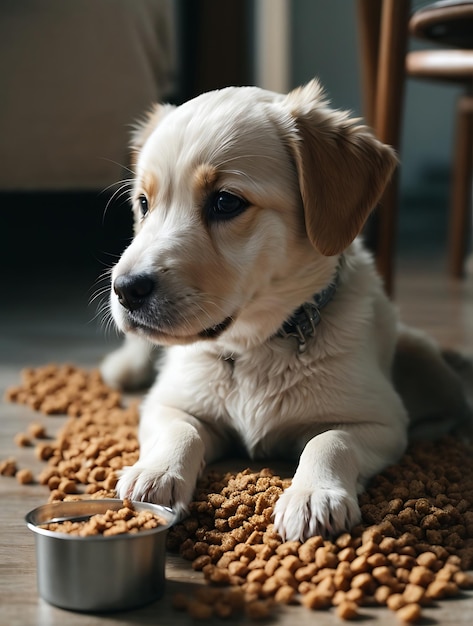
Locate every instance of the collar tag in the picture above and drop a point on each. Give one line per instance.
(302, 324)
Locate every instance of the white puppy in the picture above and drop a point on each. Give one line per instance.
(245, 266)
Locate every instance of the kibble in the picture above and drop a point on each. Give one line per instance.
(8, 467)
(124, 520)
(22, 440)
(24, 476)
(37, 431)
(347, 610)
(410, 613)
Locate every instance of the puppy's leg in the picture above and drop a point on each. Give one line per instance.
(334, 466)
(131, 366)
(174, 450)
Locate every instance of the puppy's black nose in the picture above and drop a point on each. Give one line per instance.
(133, 290)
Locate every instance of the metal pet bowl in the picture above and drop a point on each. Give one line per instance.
(97, 573)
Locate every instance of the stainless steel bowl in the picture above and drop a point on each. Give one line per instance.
(98, 573)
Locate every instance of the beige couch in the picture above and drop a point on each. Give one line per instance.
(74, 75)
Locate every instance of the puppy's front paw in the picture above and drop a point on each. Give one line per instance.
(129, 367)
(157, 485)
(303, 513)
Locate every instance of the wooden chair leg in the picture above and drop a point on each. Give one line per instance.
(388, 116)
(459, 220)
(369, 22)
(383, 39)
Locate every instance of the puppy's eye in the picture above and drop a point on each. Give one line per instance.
(143, 204)
(225, 205)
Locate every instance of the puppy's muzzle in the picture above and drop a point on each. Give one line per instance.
(150, 311)
(133, 290)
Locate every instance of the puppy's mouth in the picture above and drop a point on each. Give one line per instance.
(166, 337)
(215, 331)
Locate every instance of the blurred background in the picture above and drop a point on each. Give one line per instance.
(75, 76)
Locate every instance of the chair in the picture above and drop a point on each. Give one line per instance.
(450, 22)
(384, 26)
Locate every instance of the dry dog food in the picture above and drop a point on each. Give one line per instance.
(391, 559)
(8, 467)
(412, 548)
(24, 476)
(97, 440)
(22, 440)
(125, 520)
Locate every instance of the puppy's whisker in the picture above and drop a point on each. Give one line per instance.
(101, 315)
(124, 188)
(116, 183)
(100, 293)
(122, 191)
(100, 298)
(106, 322)
(124, 167)
(113, 255)
(105, 274)
(214, 304)
(103, 280)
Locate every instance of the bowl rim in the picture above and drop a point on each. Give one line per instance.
(34, 525)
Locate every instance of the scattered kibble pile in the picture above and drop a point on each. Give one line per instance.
(412, 548)
(98, 439)
(407, 553)
(124, 520)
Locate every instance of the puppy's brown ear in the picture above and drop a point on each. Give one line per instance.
(144, 127)
(342, 169)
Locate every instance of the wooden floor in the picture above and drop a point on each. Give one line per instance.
(59, 329)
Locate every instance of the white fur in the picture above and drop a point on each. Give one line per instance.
(333, 406)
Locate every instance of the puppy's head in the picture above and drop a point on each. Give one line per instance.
(243, 199)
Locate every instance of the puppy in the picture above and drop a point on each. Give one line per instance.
(278, 335)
